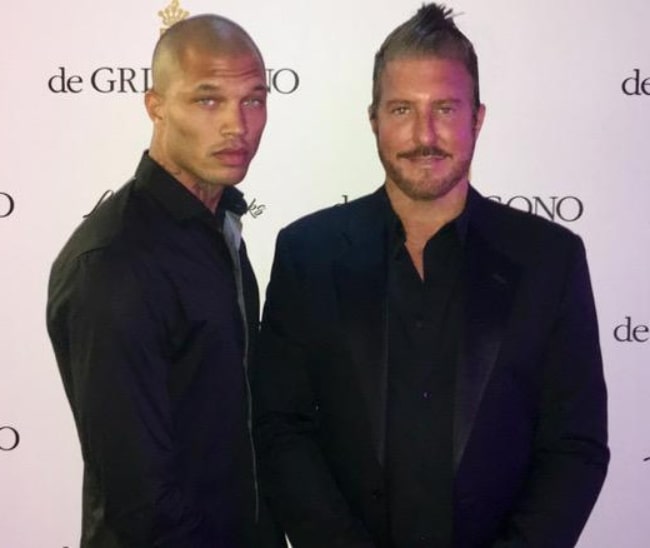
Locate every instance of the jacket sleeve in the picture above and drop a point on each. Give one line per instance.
(570, 454)
(112, 348)
(295, 478)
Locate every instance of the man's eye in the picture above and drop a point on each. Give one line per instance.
(206, 101)
(400, 110)
(255, 102)
(445, 109)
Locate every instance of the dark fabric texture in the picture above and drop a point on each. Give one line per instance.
(529, 450)
(150, 340)
(423, 326)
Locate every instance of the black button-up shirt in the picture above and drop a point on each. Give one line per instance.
(147, 313)
(423, 330)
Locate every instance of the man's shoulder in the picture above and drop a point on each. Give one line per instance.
(118, 224)
(519, 231)
(335, 219)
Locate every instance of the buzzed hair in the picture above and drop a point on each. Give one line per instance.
(431, 31)
(207, 32)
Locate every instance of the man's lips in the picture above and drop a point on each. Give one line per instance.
(232, 157)
(427, 159)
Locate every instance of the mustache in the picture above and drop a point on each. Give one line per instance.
(423, 151)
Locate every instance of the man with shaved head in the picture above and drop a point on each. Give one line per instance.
(153, 312)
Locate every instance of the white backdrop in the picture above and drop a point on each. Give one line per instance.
(561, 129)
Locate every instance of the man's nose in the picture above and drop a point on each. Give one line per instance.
(426, 130)
(233, 122)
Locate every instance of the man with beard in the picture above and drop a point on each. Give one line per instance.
(429, 370)
(153, 312)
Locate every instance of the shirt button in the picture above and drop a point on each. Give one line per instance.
(419, 324)
(426, 395)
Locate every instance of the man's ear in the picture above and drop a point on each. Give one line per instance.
(153, 102)
(479, 117)
(372, 116)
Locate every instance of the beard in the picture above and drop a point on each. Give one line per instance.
(425, 185)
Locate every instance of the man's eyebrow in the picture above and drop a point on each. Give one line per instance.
(445, 100)
(400, 101)
(206, 87)
(212, 87)
(437, 102)
(448, 100)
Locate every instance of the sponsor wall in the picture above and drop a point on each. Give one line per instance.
(567, 88)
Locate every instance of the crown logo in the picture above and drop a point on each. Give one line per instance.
(172, 14)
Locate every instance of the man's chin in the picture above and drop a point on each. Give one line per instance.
(227, 177)
(426, 191)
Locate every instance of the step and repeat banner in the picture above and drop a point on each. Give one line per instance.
(566, 137)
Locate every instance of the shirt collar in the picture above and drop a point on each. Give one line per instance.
(178, 200)
(396, 236)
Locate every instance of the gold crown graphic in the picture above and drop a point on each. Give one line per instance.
(172, 14)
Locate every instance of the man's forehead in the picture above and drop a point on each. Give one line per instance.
(407, 70)
(195, 51)
(209, 73)
(430, 78)
(420, 59)
(202, 60)
(233, 44)
(215, 64)
(199, 49)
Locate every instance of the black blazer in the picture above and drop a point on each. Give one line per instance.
(530, 435)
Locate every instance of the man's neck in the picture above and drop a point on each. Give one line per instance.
(422, 219)
(209, 194)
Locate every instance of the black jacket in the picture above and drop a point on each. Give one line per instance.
(530, 439)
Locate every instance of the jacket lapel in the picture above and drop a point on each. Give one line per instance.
(490, 285)
(360, 277)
